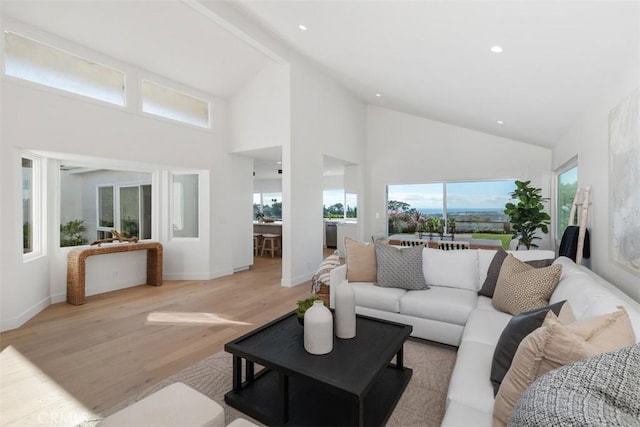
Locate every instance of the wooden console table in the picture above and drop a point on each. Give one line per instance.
(76, 261)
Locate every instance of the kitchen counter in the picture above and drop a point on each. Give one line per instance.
(267, 227)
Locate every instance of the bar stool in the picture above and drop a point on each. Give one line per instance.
(257, 243)
(270, 244)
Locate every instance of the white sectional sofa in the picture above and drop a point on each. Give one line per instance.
(451, 312)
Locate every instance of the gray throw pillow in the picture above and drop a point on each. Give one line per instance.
(489, 285)
(400, 268)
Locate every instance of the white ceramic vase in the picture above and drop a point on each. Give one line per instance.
(345, 311)
(318, 329)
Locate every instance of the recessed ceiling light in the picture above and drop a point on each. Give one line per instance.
(278, 163)
(500, 122)
(378, 95)
(302, 27)
(496, 49)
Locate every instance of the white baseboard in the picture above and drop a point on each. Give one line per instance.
(16, 322)
(296, 281)
(197, 276)
(58, 298)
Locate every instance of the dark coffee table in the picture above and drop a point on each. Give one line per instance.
(355, 384)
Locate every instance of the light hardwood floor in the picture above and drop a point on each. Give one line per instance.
(119, 343)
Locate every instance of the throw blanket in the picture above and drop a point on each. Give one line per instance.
(600, 391)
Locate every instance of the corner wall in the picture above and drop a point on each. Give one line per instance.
(328, 120)
(588, 138)
(44, 120)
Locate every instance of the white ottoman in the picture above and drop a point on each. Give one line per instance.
(177, 405)
(241, 422)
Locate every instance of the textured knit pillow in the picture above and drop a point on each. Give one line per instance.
(593, 392)
(489, 285)
(519, 327)
(522, 287)
(360, 260)
(400, 267)
(554, 345)
(323, 275)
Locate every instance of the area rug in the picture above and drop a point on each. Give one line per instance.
(422, 403)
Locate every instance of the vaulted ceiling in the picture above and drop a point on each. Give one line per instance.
(428, 58)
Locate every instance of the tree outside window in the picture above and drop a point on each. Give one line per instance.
(567, 186)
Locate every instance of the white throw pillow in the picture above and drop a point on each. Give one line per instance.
(454, 269)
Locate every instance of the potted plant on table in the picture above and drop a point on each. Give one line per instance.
(451, 225)
(304, 305)
(432, 225)
(527, 215)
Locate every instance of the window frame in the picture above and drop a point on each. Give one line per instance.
(164, 83)
(566, 167)
(37, 206)
(105, 231)
(80, 53)
(444, 213)
(172, 207)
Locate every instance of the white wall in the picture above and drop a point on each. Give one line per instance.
(242, 208)
(267, 186)
(260, 111)
(333, 182)
(325, 120)
(405, 149)
(588, 138)
(309, 115)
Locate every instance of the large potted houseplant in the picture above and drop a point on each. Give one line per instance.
(527, 215)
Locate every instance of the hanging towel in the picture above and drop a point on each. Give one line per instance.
(569, 243)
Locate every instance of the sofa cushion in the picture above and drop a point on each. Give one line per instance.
(460, 415)
(533, 254)
(485, 326)
(518, 327)
(371, 296)
(554, 345)
(579, 290)
(444, 304)
(455, 269)
(399, 267)
(493, 271)
(469, 384)
(522, 287)
(361, 261)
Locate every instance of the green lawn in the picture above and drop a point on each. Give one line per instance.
(506, 238)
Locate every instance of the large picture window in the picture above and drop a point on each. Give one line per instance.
(476, 207)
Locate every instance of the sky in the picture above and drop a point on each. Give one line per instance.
(485, 195)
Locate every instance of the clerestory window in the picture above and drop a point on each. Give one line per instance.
(36, 62)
